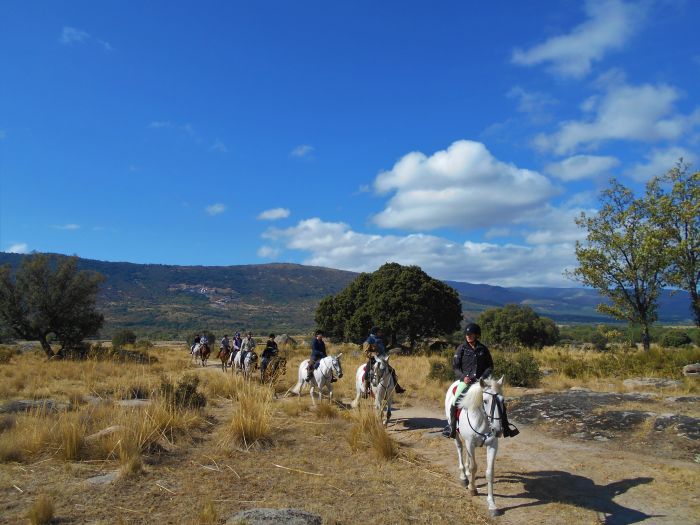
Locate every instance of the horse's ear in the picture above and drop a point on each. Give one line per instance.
(500, 381)
(481, 383)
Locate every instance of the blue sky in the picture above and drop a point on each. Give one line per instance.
(459, 136)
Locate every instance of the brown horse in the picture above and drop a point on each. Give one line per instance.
(224, 354)
(204, 354)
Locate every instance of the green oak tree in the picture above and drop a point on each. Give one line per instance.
(49, 298)
(404, 300)
(624, 257)
(517, 325)
(677, 213)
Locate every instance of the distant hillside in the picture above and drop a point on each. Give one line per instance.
(169, 301)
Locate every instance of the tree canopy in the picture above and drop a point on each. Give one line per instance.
(47, 299)
(624, 257)
(676, 213)
(405, 301)
(517, 325)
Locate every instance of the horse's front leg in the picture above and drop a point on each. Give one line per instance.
(460, 460)
(471, 466)
(491, 452)
(311, 393)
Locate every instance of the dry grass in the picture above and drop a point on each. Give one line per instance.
(26, 438)
(42, 511)
(71, 433)
(251, 423)
(326, 411)
(368, 431)
(208, 514)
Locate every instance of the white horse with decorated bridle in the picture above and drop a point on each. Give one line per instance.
(382, 385)
(249, 364)
(329, 368)
(479, 424)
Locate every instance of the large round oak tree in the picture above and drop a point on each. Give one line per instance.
(405, 301)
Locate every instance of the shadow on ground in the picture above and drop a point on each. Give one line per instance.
(562, 487)
(418, 423)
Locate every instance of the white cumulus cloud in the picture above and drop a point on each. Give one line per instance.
(335, 245)
(639, 113)
(274, 214)
(463, 186)
(658, 162)
(609, 25)
(20, 247)
(215, 209)
(66, 226)
(581, 167)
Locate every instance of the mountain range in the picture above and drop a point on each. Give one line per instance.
(169, 301)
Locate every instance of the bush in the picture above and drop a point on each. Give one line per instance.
(441, 371)
(675, 339)
(599, 341)
(185, 394)
(517, 325)
(123, 337)
(519, 368)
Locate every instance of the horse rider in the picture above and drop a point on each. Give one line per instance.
(318, 352)
(195, 342)
(225, 346)
(235, 347)
(204, 340)
(375, 345)
(247, 345)
(267, 354)
(472, 361)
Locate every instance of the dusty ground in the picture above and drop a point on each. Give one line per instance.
(572, 463)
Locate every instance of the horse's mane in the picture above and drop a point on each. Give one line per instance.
(473, 398)
(475, 395)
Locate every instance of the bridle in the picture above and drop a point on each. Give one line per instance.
(496, 402)
(384, 367)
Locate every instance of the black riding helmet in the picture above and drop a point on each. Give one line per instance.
(473, 328)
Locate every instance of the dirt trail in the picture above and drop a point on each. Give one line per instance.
(541, 479)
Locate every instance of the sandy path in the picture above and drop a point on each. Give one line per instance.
(541, 479)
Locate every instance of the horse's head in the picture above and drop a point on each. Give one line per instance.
(381, 368)
(494, 403)
(337, 367)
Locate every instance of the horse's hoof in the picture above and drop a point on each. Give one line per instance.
(465, 483)
(494, 512)
(473, 492)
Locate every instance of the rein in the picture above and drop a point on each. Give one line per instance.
(490, 417)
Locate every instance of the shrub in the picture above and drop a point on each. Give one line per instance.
(675, 339)
(599, 341)
(123, 337)
(519, 368)
(440, 370)
(517, 325)
(185, 394)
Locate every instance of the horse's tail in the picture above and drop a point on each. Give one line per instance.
(356, 401)
(296, 389)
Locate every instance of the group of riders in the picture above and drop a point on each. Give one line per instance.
(471, 363)
(229, 348)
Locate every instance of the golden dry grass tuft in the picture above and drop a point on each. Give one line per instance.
(208, 514)
(326, 411)
(251, 423)
(368, 430)
(42, 511)
(71, 433)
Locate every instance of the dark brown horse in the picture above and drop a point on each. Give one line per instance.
(204, 353)
(224, 354)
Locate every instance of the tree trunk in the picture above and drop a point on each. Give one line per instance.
(695, 305)
(46, 347)
(646, 340)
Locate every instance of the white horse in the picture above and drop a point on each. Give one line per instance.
(249, 364)
(478, 424)
(322, 377)
(382, 385)
(196, 351)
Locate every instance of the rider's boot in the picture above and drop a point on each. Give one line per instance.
(453, 422)
(507, 431)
